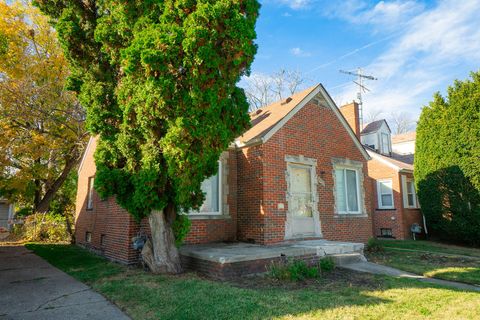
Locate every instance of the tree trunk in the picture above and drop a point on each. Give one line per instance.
(160, 253)
(43, 205)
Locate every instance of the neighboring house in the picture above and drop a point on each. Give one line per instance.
(6, 213)
(404, 143)
(394, 197)
(377, 136)
(299, 172)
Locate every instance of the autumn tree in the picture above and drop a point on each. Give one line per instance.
(158, 80)
(42, 131)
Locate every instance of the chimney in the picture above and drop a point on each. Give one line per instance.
(350, 112)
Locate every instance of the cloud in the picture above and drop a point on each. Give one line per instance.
(423, 58)
(296, 4)
(299, 52)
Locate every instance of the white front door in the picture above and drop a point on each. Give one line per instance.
(302, 216)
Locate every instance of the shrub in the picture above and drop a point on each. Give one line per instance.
(447, 166)
(48, 228)
(298, 270)
(374, 245)
(327, 264)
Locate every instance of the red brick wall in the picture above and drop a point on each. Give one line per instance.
(314, 132)
(118, 227)
(351, 114)
(250, 168)
(106, 218)
(400, 219)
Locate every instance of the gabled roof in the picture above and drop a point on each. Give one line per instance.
(264, 119)
(389, 161)
(268, 120)
(404, 137)
(374, 126)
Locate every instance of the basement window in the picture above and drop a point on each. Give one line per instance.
(102, 240)
(386, 232)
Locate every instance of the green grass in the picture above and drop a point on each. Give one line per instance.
(432, 259)
(146, 296)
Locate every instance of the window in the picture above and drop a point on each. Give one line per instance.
(212, 189)
(385, 143)
(411, 196)
(347, 189)
(386, 233)
(88, 237)
(90, 194)
(385, 194)
(102, 240)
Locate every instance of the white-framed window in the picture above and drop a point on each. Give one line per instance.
(347, 188)
(409, 193)
(385, 143)
(385, 194)
(90, 193)
(212, 187)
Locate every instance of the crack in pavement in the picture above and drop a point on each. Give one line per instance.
(58, 298)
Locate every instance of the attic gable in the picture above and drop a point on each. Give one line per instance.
(268, 120)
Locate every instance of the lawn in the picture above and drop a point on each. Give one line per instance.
(351, 296)
(431, 259)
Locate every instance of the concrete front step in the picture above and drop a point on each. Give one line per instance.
(220, 260)
(348, 258)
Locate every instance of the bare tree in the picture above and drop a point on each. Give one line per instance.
(402, 122)
(372, 116)
(262, 90)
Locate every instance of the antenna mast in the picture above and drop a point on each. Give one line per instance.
(361, 88)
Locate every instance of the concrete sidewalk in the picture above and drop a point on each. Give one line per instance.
(374, 268)
(30, 288)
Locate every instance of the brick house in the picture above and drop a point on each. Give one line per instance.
(395, 202)
(300, 172)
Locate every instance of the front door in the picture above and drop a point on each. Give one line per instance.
(302, 216)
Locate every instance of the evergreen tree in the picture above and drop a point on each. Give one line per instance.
(158, 80)
(447, 162)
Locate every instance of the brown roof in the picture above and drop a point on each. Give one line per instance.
(400, 164)
(264, 119)
(404, 137)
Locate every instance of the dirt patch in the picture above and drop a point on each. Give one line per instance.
(337, 279)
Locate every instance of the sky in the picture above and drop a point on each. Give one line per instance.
(414, 48)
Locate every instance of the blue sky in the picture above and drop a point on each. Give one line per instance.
(414, 48)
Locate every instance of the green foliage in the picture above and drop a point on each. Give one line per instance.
(447, 166)
(327, 264)
(180, 227)
(158, 80)
(298, 270)
(374, 245)
(43, 227)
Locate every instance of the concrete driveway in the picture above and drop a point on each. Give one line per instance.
(30, 288)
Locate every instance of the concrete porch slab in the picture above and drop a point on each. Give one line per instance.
(228, 253)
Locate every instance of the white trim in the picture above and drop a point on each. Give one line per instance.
(85, 154)
(319, 89)
(344, 122)
(379, 194)
(219, 173)
(380, 158)
(344, 168)
(311, 165)
(290, 115)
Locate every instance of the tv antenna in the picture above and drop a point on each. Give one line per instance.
(361, 89)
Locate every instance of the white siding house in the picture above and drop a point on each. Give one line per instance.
(377, 136)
